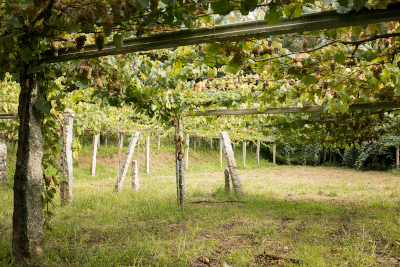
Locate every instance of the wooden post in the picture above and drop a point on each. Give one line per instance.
(3, 159)
(135, 175)
(94, 154)
(128, 158)
(194, 142)
(66, 161)
(106, 140)
(158, 142)
(187, 152)
(230, 159)
(120, 144)
(227, 182)
(180, 163)
(258, 152)
(397, 158)
(148, 154)
(244, 153)
(274, 154)
(220, 153)
(211, 144)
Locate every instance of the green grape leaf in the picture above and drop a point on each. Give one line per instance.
(140, 4)
(367, 55)
(223, 7)
(26, 54)
(231, 69)
(340, 58)
(331, 33)
(344, 3)
(118, 41)
(358, 4)
(212, 48)
(308, 79)
(43, 107)
(273, 16)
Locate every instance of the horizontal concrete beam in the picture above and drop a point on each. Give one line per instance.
(310, 109)
(255, 29)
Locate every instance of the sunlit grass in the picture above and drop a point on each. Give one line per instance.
(322, 216)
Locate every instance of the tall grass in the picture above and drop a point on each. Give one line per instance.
(322, 216)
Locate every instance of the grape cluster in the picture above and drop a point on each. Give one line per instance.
(85, 17)
(350, 63)
(387, 94)
(376, 71)
(31, 12)
(332, 65)
(267, 51)
(107, 24)
(62, 6)
(202, 47)
(80, 42)
(140, 30)
(39, 3)
(114, 87)
(101, 8)
(15, 10)
(130, 8)
(154, 5)
(55, 47)
(117, 6)
(304, 45)
(238, 59)
(98, 84)
(85, 72)
(100, 41)
(256, 52)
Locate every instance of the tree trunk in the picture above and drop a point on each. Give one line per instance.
(66, 157)
(28, 235)
(3, 159)
(180, 163)
(158, 142)
(397, 158)
(258, 152)
(230, 159)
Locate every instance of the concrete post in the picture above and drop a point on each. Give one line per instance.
(227, 182)
(95, 140)
(148, 154)
(230, 159)
(3, 159)
(127, 161)
(66, 161)
(135, 175)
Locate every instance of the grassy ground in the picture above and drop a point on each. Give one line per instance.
(321, 216)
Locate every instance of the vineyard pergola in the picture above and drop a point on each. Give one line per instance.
(28, 236)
